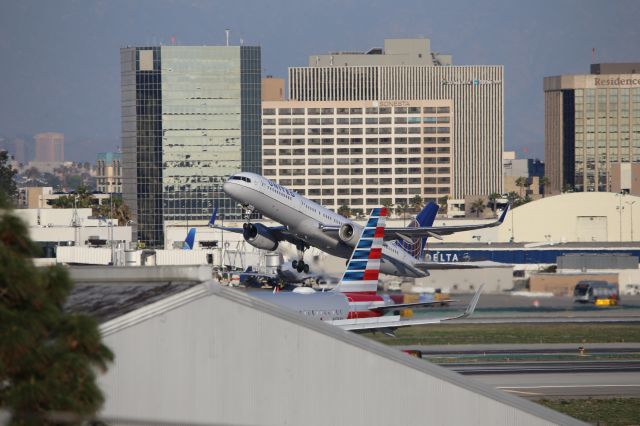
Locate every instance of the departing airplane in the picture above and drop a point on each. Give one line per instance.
(306, 224)
(354, 303)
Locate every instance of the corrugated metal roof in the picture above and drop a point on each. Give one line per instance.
(106, 301)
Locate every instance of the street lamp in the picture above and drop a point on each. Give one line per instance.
(620, 208)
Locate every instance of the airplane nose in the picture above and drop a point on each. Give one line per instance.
(229, 188)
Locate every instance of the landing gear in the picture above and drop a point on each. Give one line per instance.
(299, 265)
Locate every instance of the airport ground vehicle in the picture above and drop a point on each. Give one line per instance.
(596, 292)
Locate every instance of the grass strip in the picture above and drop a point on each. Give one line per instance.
(610, 411)
(455, 334)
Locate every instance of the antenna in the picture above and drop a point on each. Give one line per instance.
(227, 31)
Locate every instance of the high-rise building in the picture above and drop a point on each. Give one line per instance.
(407, 70)
(361, 154)
(49, 147)
(109, 172)
(190, 118)
(272, 89)
(591, 122)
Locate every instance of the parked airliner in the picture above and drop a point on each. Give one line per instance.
(354, 303)
(306, 223)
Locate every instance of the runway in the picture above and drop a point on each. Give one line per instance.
(606, 369)
(566, 385)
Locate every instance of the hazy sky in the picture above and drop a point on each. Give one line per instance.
(60, 71)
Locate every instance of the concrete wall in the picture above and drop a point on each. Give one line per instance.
(563, 284)
(212, 355)
(468, 280)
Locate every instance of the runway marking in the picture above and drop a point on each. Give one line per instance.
(520, 392)
(566, 386)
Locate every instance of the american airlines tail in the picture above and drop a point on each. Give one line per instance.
(363, 268)
(424, 218)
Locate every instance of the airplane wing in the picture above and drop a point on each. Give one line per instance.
(281, 233)
(387, 324)
(388, 308)
(408, 234)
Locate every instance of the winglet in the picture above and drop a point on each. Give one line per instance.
(212, 221)
(504, 213)
(474, 301)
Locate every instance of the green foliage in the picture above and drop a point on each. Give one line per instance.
(8, 188)
(477, 207)
(493, 199)
(544, 182)
(345, 211)
(117, 209)
(442, 202)
(471, 334)
(388, 204)
(47, 357)
(608, 411)
(417, 203)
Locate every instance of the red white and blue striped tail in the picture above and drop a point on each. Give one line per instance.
(361, 275)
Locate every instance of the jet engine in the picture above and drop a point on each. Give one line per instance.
(349, 234)
(259, 236)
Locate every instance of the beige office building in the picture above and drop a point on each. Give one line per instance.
(592, 121)
(407, 69)
(362, 154)
(49, 147)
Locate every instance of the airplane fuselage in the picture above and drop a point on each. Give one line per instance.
(304, 218)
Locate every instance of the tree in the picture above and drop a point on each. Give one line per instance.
(8, 188)
(493, 198)
(521, 182)
(477, 207)
(514, 199)
(32, 173)
(417, 203)
(442, 202)
(402, 208)
(117, 209)
(345, 211)
(48, 358)
(544, 181)
(388, 204)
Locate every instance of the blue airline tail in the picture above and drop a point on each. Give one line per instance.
(214, 215)
(424, 218)
(188, 242)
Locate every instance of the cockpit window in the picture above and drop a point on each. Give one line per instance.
(245, 179)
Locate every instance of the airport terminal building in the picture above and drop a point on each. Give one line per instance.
(406, 70)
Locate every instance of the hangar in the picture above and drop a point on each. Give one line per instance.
(214, 355)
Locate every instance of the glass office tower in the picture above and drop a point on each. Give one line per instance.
(191, 117)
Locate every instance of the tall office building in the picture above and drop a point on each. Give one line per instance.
(361, 154)
(592, 121)
(49, 147)
(190, 118)
(407, 70)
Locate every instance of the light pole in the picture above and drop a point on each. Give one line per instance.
(630, 204)
(620, 208)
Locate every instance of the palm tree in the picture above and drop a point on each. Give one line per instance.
(442, 202)
(32, 173)
(521, 182)
(477, 207)
(402, 207)
(417, 203)
(345, 211)
(493, 198)
(544, 181)
(388, 204)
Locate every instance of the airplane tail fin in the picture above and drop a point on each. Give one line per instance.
(424, 218)
(214, 215)
(191, 237)
(363, 268)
